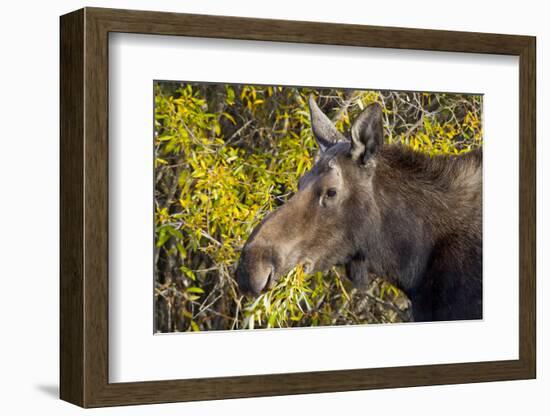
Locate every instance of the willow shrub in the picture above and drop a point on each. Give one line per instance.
(226, 155)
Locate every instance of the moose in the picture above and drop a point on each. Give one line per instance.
(379, 209)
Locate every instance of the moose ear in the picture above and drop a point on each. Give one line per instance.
(324, 131)
(367, 133)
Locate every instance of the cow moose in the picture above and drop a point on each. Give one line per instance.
(382, 209)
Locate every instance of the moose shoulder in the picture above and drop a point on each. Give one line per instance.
(380, 209)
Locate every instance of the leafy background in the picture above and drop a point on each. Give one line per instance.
(226, 155)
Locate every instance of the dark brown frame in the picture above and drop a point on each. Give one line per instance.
(84, 209)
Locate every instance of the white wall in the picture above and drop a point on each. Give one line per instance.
(29, 220)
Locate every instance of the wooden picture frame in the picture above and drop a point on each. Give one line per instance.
(84, 207)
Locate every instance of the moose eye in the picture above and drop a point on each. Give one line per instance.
(331, 193)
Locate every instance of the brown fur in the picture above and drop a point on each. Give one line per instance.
(397, 213)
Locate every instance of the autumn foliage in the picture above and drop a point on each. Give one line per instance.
(226, 155)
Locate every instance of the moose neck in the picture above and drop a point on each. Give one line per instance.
(415, 199)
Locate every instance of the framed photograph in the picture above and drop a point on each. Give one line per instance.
(255, 207)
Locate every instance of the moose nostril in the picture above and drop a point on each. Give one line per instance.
(255, 271)
(242, 280)
(253, 280)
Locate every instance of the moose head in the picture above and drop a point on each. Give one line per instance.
(321, 224)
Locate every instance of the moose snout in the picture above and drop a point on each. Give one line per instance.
(255, 271)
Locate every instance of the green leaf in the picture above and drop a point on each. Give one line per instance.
(229, 117)
(163, 237)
